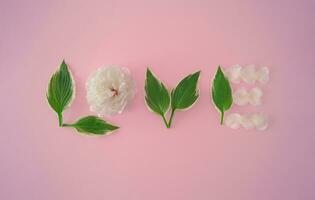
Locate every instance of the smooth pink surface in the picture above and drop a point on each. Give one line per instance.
(197, 158)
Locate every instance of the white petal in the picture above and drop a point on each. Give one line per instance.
(254, 96)
(234, 73)
(240, 97)
(263, 75)
(233, 120)
(260, 121)
(247, 122)
(248, 74)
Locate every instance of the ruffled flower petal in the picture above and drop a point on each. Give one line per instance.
(240, 97)
(247, 122)
(263, 75)
(233, 120)
(254, 96)
(260, 121)
(234, 73)
(248, 74)
(109, 90)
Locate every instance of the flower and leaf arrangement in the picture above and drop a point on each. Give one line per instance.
(111, 88)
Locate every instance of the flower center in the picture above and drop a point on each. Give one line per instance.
(114, 91)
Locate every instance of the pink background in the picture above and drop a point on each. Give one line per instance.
(197, 158)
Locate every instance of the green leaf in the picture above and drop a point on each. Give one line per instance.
(92, 125)
(186, 92)
(60, 90)
(221, 93)
(157, 96)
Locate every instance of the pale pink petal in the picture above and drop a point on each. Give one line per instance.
(248, 74)
(254, 96)
(233, 120)
(247, 122)
(263, 75)
(234, 73)
(240, 97)
(260, 121)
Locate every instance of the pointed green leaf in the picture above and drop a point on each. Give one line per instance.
(186, 93)
(221, 93)
(92, 125)
(60, 90)
(157, 96)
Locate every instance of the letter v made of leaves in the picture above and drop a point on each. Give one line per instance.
(159, 100)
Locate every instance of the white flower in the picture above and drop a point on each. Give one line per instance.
(248, 121)
(109, 90)
(248, 74)
(242, 97)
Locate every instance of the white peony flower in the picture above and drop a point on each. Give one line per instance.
(109, 90)
(242, 97)
(248, 121)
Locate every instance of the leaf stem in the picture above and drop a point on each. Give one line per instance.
(165, 122)
(60, 119)
(222, 117)
(67, 125)
(171, 118)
